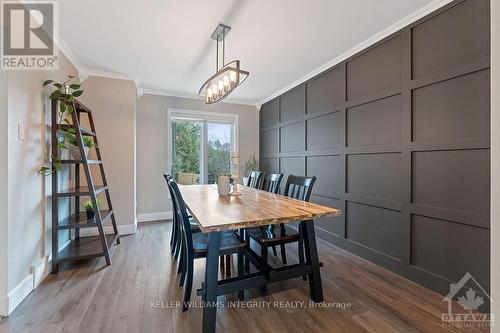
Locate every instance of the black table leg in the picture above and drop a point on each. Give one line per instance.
(315, 287)
(211, 280)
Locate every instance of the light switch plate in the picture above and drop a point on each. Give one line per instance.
(21, 135)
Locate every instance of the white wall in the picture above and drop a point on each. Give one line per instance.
(152, 134)
(495, 161)
(113, 105)
(28, 203)
(3, 192)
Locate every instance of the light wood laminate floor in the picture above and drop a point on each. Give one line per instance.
(134, 295)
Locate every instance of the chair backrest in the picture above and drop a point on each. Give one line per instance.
(299, 187)
(168, 177)
(254, 179)
(272, 182)
(182, 217)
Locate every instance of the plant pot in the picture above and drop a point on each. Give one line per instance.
(75, 152)
(90, 214)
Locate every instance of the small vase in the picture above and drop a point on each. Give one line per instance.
(90, 214)
(223, 185)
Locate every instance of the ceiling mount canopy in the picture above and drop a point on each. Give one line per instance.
(227, 77)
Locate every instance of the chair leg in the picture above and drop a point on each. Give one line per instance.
(228, 258)
(241, 293)
(188, 286)
(222, 265)
(178, 244)
(173, 238)
(301, 250)
(263, 255)
(180, 254)
(183, 262)
(247, 261)
(283, 254)
(275, 253)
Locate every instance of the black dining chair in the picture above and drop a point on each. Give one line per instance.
(175, 238)
(272, 182)
(297, 187)
(255, 179)
(195, 245)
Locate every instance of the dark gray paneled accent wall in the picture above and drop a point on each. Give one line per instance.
(398, 136)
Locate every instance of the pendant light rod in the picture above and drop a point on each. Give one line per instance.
(219, 35)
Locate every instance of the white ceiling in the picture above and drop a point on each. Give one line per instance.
(166, 45)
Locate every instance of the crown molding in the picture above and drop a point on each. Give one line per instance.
(413, 17)
(169, 93)
(109, 75)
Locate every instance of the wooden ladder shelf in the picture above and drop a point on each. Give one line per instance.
(80, 248)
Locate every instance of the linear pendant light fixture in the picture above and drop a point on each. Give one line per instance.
(225, 79)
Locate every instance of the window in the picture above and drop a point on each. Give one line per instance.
(200, 145)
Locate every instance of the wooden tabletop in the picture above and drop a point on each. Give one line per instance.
(252, 208)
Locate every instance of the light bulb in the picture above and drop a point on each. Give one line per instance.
(226, 81)
(209, 92)
(221, 85)
(232, 76)
(214, 89)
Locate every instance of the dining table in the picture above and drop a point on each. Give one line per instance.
(251, 208)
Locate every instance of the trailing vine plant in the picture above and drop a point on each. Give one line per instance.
(65, 93)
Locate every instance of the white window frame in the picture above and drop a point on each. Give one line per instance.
(203, 117)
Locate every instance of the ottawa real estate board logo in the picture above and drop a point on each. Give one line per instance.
(468, 305)
(28, 30)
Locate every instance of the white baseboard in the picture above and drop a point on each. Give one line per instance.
(38, 273)
(159, 216)
(123, 229)
(42, 270)
(4, 306)
(16, 296)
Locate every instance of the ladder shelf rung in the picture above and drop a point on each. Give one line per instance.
(84, 130)
(81, 191)
(85, 248)
(80, 161)
(80, 220)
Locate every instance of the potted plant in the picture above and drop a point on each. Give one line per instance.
(88, 143)
(252, 164)
(89, 208)
(65, 93)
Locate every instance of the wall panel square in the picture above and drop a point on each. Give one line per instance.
(376, 175)
(375, 123)
(450, 249)
(325, 131)
(374, 70)
(453, 109)
(374, 227)
(328, 170)
(270, 113)
(291, 166)
(269, 141)
(455, 179)
(325, 91)
(458, 35)
(293, 104)
(292, 137)
(269, 164)
(331, 224)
